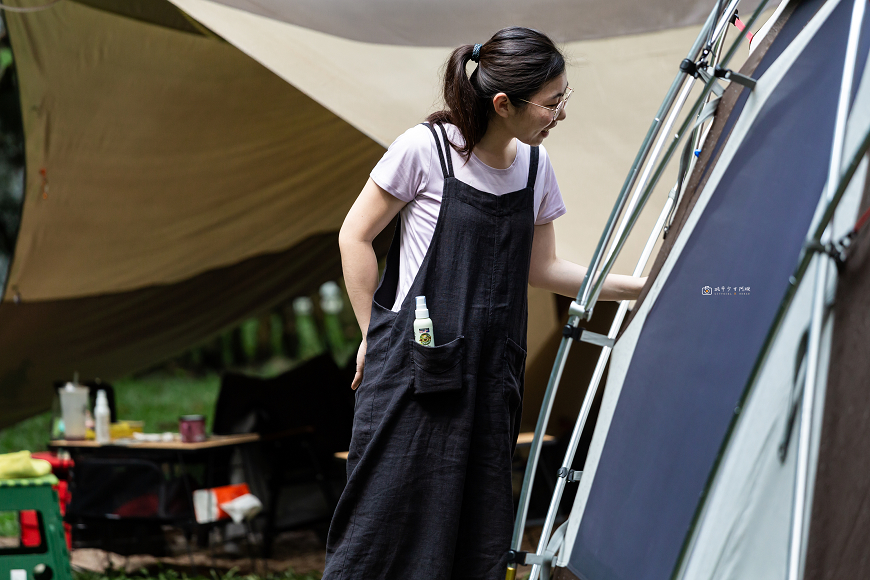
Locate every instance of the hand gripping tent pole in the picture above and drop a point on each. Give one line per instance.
(574, 319)
(564, 347)
(802, 499)
(588, 293)
(592, 283)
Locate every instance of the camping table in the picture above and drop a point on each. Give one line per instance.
(168, 451)
(161, 451)
(210, 443)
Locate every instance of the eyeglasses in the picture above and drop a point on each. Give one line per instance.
(559, 106)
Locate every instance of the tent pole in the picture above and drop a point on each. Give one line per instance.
(584, 301)
(642, 154)
(574, 319)
(591, 391)
(584, 309)
(564, 473)
(564, 347)
(802, 500)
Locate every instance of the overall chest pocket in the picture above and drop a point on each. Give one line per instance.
(438, 369)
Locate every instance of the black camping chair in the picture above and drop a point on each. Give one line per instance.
(303, 416)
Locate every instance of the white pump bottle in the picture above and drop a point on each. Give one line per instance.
(423, 332)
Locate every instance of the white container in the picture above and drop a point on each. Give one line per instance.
(102, 418)
(424, 333)
(73, 404)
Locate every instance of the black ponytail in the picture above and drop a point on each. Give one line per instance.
(516, 61)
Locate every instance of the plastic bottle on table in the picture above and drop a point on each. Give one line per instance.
(101, 417)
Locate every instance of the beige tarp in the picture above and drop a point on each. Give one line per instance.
(165, 154)
(168, 152)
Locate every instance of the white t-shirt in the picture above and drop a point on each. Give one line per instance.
(410, 170)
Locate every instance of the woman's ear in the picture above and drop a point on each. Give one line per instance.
(502, 105)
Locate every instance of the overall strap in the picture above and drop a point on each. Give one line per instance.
(447, 148)
(533, 167)
(444, 166)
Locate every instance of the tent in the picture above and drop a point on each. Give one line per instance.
(733, 435)
(188, 163)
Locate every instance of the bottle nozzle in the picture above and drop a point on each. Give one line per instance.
(422, 311)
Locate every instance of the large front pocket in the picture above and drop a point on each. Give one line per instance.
(438, 369)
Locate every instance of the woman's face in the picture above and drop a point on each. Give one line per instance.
(532, 124)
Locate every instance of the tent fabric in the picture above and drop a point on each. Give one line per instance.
(686, 217)
(727, 113)
(745, 524)
(744, 528)
(620, 82)
(422, 23)
(158, 168)
(154, 12)
(679, 392)
(840, 523)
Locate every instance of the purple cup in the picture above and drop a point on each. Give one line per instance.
(192, 428)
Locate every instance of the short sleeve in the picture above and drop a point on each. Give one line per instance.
(403, 171)
(552, 206)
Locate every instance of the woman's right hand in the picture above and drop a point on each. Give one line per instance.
(369, 215)
(360, 363)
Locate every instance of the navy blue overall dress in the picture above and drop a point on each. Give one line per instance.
(428, 492)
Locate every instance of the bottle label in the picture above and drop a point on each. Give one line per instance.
(424, 336)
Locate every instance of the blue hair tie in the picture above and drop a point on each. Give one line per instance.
(475, 54)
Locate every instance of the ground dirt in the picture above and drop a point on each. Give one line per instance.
(302, 551)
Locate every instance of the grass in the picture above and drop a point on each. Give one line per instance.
(159, 399)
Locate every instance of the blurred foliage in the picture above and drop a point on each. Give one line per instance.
(31, 434)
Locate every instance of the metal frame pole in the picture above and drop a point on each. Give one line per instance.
(643, 153)
(584, 309)
(802, 500)
(590, 288)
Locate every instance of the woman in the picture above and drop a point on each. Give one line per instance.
(429, 470)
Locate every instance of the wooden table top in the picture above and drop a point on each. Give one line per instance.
(213, 441)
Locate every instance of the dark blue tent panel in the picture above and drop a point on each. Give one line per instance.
(695, 352)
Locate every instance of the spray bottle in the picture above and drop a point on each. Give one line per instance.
(101, 417)
(423, 332)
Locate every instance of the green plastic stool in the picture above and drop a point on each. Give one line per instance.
(49, 561)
